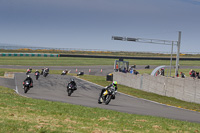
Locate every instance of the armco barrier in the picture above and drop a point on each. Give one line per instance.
(30, 54)
(186, 89)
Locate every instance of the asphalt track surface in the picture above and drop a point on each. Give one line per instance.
(53, 88)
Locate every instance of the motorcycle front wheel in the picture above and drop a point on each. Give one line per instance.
(69, 92)
(26, 89)
(108, 99)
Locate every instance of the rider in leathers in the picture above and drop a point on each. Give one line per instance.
(114, 85)
(30, 79)
(73, 84)
(37, 71)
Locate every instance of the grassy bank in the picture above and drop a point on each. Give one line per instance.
(20, 114)
(75, 61)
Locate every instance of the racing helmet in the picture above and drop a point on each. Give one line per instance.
(114, 83)
(72, 80)
(28, 75)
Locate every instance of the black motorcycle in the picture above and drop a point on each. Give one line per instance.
(107, 95)
(26, 86)
(70, 89)
(37, 74)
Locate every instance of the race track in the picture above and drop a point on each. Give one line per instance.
(53, 88)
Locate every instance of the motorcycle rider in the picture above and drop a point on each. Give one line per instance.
(64, 72)
(113, 85)
(37, 71)
(46, 72)
(73, 84)
(30, 80)
(28, 70)
(46, 69)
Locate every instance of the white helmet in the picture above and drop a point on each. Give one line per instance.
(28, 75)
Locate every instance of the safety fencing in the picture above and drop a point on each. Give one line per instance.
(29, 54)
(186, 89)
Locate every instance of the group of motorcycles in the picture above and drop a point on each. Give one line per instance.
(44, 72)
(105, 96)
(27, 83)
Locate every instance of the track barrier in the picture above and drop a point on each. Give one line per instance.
(28, 55)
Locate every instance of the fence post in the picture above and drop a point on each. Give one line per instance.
(141, 82)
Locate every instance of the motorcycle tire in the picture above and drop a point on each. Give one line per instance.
(100, 100)
(69, 92)
(26, 89)
(108, 99)
(45, 74)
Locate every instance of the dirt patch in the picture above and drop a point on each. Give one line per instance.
(9, 75)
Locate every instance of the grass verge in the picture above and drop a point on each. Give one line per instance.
(20, 114)
(75, 61)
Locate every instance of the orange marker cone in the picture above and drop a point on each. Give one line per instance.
(76, 70)
(89, 70)
(101, 70)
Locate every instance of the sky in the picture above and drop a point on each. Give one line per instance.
(90, 24)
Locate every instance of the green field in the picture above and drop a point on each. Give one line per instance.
(76, 61)
(21, 114)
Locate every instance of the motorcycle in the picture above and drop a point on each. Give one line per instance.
(64, 73)
(37, 74)
(80, 73)
(70, 89)
(107, 95)
(27, 72)
(45, 73)
(26, 86)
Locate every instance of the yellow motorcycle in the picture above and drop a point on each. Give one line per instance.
(107, 95)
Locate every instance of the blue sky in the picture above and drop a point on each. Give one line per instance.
(90, 24)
